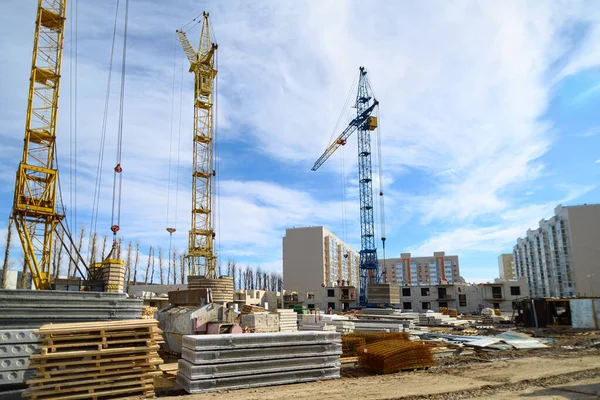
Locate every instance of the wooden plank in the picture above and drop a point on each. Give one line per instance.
(96, 325)
(147, 391)
(75, 380)
(153, 358)
(89, 387)
(59, 373)
(84, 353)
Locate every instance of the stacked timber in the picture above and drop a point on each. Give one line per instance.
(287, 320)
(95, 360)
(221, 288)
(247, 309)
(384, 293)
(226, 362)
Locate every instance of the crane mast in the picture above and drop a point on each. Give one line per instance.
(364, 123)
(34, 208)
(200, 257)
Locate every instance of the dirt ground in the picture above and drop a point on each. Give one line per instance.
(569, 369)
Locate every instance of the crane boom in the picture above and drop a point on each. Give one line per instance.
(34, 208)
(201, 258)
(341, 140)
(364, 123)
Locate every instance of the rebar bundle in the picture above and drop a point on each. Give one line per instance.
(391, 356)
(351, 342)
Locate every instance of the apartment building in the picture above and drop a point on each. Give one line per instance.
(561, 257)
(506, 267)
(407, 270)
(315, 261)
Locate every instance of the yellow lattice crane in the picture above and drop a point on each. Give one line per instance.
(34, 209)
(201, 258)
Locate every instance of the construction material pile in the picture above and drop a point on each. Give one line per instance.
(389, 356)
(352, 342)
(225, 362)
(221, 289)
(95, 360)
(385, 320)
(287, 320)
(16, 345)
(383, 293)
(260, 322)
(326, 322)
(439, 319)
(30, 309)
(248, 309)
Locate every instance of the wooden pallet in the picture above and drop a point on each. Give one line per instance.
(96, 360)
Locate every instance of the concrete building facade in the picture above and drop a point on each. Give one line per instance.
(407, 270)
(313, 258)
(561, 258)
(506, 267)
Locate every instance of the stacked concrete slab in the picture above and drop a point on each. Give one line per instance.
(260, 322)
(16, 345)
(287, 320)
(383, 293)
(324, 322)
(226, 362)
(436, 318)
(30, 309)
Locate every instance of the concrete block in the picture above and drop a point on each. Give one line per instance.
(12, 377)
(18, 350)
(18, 336)
(257, 380)
(194, 372)
(11, 394)
(258, 340)
(260, 353)
(14, 363)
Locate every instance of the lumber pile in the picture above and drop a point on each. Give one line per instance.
(94, 360)
(225, 362)
(389, 356)
(248, 309)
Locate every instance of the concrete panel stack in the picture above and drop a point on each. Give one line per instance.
(221, 288)
(16, 345)
(30, 309)
(226, 362)
(260, 322)
(324, 322)
(384, 293)
(438, 319)
(287, 320)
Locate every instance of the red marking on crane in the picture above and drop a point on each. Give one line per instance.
(118, 169)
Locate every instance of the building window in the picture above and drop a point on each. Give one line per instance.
(443, 304)
(311, 296)
(407, 305)
(406, 292)
(424, 291)
(311, 306)
(330, 293)
(515, 291)
(331, 305)
(462, 300)
(425, 305)
(496, 306)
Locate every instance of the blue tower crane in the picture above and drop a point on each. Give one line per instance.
(364, 123)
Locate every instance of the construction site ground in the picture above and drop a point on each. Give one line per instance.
(568, 369)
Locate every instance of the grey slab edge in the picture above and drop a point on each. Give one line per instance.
(259, 354)
(250, 340)
(14, 363)
(12, 377)
(18, 336)
(194, 372)
(258, 380)
(18, 350)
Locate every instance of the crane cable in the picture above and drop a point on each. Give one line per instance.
(118, 177)
(171, 139)
(216, 158)
(381, 197)
(98, 184)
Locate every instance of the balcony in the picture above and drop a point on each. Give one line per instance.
(495, 296)
(347, 297)
(445, 297)
(291, 298)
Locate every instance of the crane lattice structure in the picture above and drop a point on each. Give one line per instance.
(35, 209)
(364, 123)
(201, 258)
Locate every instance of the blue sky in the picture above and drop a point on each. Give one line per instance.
(488, 115)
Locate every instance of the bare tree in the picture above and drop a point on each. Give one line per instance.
(182, 266)
(152, 268)
(7, 253)
(119, 245)
(79, 248)
(219, 267)
(150, 252)
(259, 278)
(104, 240)
(161, 269)
(92, 249)
(239, 277)
(273, 282)
(128, 264)
(174, 265)
(21, 284)
(137, 260)
(58, 253)
(233, 275)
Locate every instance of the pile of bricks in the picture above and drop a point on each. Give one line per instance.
(225, 362)
(260, 322)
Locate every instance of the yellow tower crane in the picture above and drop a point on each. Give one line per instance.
(201, 258)
(34, 209)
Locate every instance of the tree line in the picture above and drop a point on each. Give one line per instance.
(162, 266)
